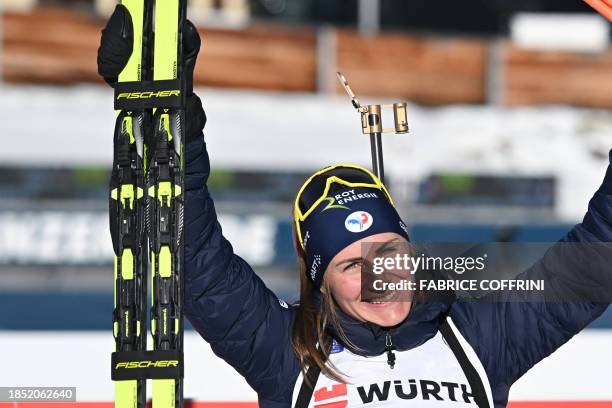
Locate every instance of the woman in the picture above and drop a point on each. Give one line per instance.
(333, 349)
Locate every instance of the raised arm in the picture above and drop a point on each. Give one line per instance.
(510, 334)
(225, 301)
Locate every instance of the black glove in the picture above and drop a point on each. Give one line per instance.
(115, 45)
(115, 50)
(195, 118)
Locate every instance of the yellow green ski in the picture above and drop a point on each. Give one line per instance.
(146, 209)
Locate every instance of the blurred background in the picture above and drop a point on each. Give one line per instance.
(509, 105)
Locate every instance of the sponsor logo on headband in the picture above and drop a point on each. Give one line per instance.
(315, 267)
(348, 196)
(330, 204)
(306, 237)
(403, 226)
(358, 221)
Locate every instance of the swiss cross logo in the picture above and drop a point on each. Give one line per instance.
(603, 7)
(336, 393)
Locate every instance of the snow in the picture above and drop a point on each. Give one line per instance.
(560, 31)
(577, 371)
(44, 126)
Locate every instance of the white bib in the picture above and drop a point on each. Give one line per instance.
(426, 376)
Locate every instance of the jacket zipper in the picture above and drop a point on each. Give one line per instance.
(389, 349)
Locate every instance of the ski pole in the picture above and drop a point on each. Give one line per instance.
(372, 124)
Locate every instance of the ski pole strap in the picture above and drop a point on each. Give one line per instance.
(474, 379)
(141, 95)
(141, 364)
(312, 374)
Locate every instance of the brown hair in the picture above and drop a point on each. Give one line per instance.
(311, 322)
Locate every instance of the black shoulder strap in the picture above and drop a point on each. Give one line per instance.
(478, 389)
(306, 390)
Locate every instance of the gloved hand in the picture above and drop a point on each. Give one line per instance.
(116, 47)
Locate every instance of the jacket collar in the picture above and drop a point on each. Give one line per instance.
(369, 339)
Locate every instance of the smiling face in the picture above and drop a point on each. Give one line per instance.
(343, 278)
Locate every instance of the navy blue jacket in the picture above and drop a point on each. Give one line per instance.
(232, 309)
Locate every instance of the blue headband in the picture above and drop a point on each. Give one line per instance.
(347, 215)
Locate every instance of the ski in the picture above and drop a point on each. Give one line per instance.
(147, 209)
(166, 204)
(127, 207)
